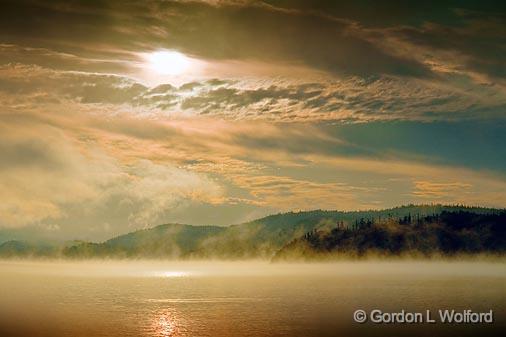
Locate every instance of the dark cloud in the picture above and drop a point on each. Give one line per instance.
(335, 37)
(224, 32)
(372, 13)
(481, 45)
(236, 32)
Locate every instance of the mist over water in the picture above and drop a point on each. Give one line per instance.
(210, 298)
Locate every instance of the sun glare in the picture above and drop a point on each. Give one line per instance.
(168, 62)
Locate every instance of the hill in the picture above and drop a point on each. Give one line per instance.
(28, 249)
(447, 233)
(261, 238)
(164, 241)
(298, 234)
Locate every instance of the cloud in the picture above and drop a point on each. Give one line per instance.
(437, 190)
(94, 174)
(287, 193)
(24, 82)
(351, 99)
(155, 188)
(418, 41)
(47, 172)
(229, 30)
(475, 48)
(417, 62)
(48, 58)
(41, 174)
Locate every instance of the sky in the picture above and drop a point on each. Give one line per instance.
(120, 115)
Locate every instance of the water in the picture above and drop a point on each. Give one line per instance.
(242, 298)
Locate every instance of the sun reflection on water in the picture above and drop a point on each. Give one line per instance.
(165, 324)
(174, 274)
(170, 273)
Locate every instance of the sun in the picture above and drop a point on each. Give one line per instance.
(168, 62)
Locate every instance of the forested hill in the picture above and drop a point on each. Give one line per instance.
(448, 233)
(296, 234)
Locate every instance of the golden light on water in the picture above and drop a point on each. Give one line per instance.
(174, 274)
(169, 273)
(165, 324)
(168, 62)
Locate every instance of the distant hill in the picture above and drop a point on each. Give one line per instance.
(15, 248)
(281, 235)
(164, 241)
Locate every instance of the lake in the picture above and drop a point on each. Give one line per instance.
(209, 298)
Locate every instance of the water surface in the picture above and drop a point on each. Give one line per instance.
(241, 298)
